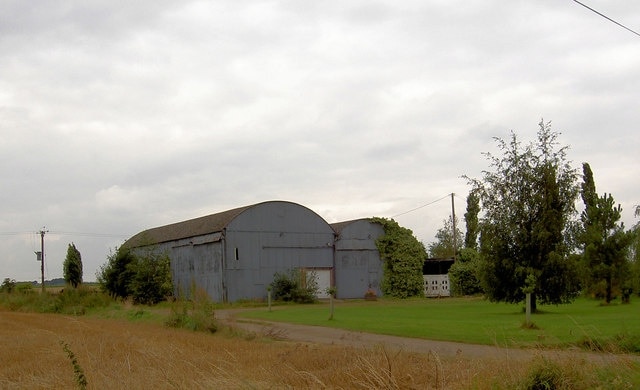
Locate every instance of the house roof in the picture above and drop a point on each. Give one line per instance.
(194, 227)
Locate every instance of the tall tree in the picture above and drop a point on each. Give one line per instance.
(471, 220)
(443, 246)
(72, 267)
(588, 193)
(605, 242)
(634, 255)
(528, 200)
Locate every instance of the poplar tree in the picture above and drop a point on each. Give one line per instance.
(605, 242)
(471, 220)
(72, 267)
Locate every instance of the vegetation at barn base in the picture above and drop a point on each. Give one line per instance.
(145, 278)
(196, 314)
(294, 285)
(403, 257)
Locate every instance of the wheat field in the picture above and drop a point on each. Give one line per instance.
(120, 354)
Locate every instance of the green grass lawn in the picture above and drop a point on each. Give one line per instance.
(470, 320)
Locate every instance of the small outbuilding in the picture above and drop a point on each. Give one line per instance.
(435, 273)
(234, 254)
(358, 266)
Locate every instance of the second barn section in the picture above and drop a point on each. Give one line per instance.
(235, 254)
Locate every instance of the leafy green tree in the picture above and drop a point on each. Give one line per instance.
(528, 202)
(115, 274)
(443, 246)
(606, 243)
(403, 256)
(72, 267)
(463, 274)
(471, 220)
(146, 278)
(151, 278)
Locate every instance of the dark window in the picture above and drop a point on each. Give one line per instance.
(237, 256)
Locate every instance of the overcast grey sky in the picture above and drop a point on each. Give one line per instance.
(117, 116)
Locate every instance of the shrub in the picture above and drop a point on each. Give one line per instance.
(115, 274)
(8, 285)
(463, 274)
(145, 278)
(295, 286)
(196, 315)
(69, 301)
(545, 375)
(151, 279)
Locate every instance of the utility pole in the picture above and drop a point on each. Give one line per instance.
(42, 233)
(453, 220)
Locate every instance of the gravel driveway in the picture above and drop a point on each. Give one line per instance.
(324, 335)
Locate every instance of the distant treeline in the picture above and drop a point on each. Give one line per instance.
(57, 282)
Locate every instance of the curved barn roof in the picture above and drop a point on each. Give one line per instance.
(194, 227)
(209, 224)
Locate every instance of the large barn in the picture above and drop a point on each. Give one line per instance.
(234, 254)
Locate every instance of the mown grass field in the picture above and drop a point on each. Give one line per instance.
(471, 320)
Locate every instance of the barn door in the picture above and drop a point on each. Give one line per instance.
(323, 280)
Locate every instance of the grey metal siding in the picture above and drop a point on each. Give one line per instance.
(196, 264)
(273, 237)
(358, 265)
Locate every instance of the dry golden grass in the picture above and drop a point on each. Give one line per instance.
(118, 354)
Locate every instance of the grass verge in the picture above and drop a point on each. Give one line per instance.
(613, 328)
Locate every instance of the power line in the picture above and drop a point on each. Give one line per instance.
(424, 205)
(606, 17)
(15, 233)
(81, 234)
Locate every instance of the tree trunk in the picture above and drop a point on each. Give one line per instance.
(528, 310)
(608, 293)
(534, 305)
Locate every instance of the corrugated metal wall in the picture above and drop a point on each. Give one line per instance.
(358, 265)
(273, 237)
